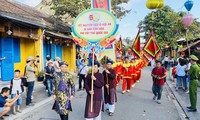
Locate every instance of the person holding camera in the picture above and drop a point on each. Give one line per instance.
(31, 78)
(181, 70)
(49, 71)
(5, 102)
(159, 74)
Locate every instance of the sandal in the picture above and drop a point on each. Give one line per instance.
(14, 113)
(111, 114)
(20, 111)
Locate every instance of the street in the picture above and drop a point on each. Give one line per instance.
(136, 105)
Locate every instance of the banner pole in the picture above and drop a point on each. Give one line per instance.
(92, 84)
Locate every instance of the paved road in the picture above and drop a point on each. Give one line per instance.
(137, 105)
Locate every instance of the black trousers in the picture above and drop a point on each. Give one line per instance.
(81, 78)
(157, 91)
(166, 64)
(64, 117)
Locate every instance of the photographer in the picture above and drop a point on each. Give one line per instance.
(5, 102)
(30, 75)
(49, 75)
(159, 74)
(181, 74)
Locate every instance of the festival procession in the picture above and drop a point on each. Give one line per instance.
(99, 60)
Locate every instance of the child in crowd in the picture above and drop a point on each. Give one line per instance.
(16, 87)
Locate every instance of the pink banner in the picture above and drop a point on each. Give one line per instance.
(104, 4)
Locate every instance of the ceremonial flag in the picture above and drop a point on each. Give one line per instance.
(151, 48)
(104, 4)
(118, 45)
(136, 45)
(145, 58)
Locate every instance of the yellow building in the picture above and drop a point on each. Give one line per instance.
(24, 32)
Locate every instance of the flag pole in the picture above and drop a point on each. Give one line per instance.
(92, 84)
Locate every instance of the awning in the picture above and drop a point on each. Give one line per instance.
(191, 45)
(21, 19)
(59, 35)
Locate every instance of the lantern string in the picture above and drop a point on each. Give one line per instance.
(152, 17)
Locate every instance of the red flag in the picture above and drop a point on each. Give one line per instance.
(136, 45)
(151, 48)
(104, 4)
(145, 57)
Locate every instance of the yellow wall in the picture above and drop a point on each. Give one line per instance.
(27, 48)
(69, 56)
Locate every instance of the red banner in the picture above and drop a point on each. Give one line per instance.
(136, 45)
(104, 4)
(151, 47)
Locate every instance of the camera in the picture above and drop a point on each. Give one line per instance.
(157, 78)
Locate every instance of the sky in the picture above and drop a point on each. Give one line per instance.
(128, 25)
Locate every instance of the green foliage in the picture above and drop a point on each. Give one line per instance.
(128, 43)
(168, 26)
(74, 7)
(41, 73)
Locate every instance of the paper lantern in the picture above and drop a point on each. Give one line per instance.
(152, 4)
(161, 4)
(188, 5)
(188, 20)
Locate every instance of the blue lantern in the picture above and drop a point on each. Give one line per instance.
(188, 5)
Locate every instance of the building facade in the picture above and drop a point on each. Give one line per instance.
(24, 32)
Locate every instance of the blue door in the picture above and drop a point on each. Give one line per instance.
(7, 51)
(44, 53)
(53, 51)
(59, 51)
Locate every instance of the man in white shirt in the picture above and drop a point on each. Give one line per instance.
(83, 69)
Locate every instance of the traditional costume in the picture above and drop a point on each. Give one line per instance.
(110, 92)
(97, 96)
(133, 74)
(64, 88)
(139, 69)
(117, 66)
(127, 77)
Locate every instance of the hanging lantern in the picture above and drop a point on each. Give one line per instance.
(188, 20)
(48, 38)
(188, 5)
(69, 41)
(152, 4)
(181, 47)
(166, 46)
(161, 4)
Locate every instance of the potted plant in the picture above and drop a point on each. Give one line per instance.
(41, 76)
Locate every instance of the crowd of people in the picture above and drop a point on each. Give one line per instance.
(60, 83)
(184, 72)
(126, 70)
